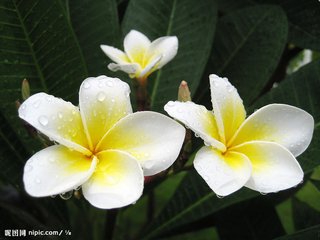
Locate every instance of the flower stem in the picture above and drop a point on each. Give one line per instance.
(110, 223)
(143, 102)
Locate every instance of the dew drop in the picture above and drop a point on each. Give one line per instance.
(37, 180)
(28, 168)
(53, 196)
(148, 164)
(86, 85)
(110, 83)
(66, 195)
(60, 115)
(101, 96)
(127, 93)
(77, 188)
(263, 193)
(207, 144)
(196, 135)
(36, 104)
(206, 178)
(43, 120)
(170, 104)
(219, 196)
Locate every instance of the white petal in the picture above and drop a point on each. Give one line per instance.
(152, 138)
(56, 170)
(284, 124)
(166, 47)
(198, 119)
(103, 101)
(224, 173)
(130, 68)
(227, 107)
(116, 182)
(135, 45)
(115, 54)
(57, 119)
(274, 168)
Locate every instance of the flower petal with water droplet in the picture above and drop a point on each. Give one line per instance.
(52, 118)
(69, 170)
(116, 182)
(102, 105)
(148, 136)
(224, 173)
(274, 168)
(198, 119)
(287, 125)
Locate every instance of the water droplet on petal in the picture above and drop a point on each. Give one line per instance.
(196, 135)
(101, 96)
(170, 104)
(219, 196)
(28, 168)
(86, 85)
(36, 104)
(37, 180)
(43, 120)
(127, 93)
(207, 144)
(66, 195)
(77, 188)
(263, 193)
(53, 196)
(60, 115)
(148, 164)
(110, 83)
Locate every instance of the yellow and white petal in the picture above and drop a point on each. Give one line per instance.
(130, 68)
(103, 101)
(152, 138)
(274, 168)
(116, 182)
(198, 119)
(166, 47)
(57, 119)
(115, 54)
(289, 126)
(56, 170)
(227, 107)
(151, 67)
(135, 45)
(224, 173)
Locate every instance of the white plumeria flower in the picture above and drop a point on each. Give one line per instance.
(258, 152)
(141, 57)
(104, 147)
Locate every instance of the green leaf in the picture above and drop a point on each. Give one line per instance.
(247, 48)
(193, 22)
(192, 201)
(301, 89)
(37, 43)
(95, 24)
(308, 233)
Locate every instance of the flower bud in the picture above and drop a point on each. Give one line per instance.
(184, 92)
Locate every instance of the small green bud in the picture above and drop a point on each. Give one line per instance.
(25, 89)
(184, 92)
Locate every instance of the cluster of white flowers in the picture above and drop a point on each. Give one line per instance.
(107, 149)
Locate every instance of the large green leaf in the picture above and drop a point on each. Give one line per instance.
(193, 22)
(36, 43)
(247, 47)
(95, 24)
(308, 233)
(303, 18)
(192, 201)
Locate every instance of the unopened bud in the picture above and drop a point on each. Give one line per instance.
(184, 92)
(25, 89)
